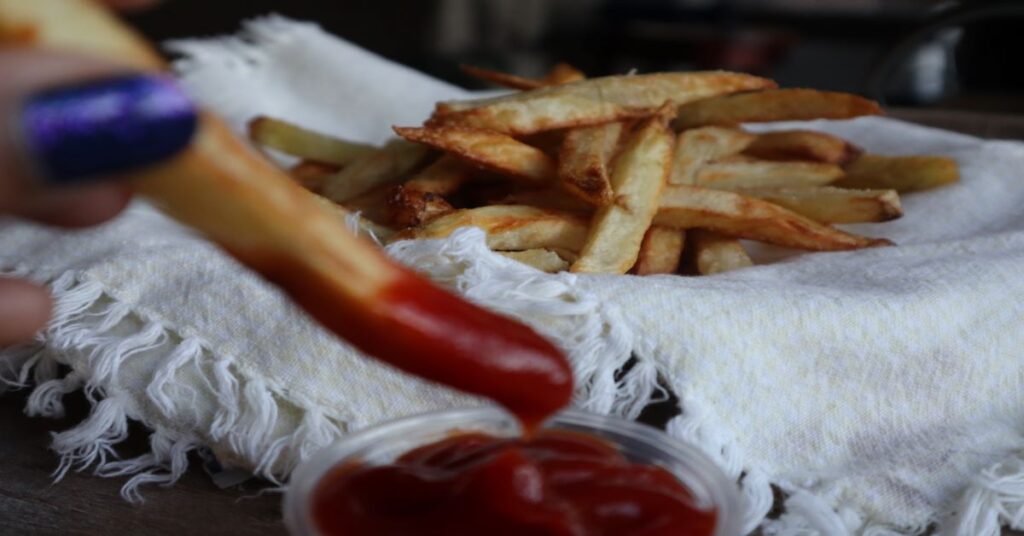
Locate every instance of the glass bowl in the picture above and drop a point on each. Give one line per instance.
(639, 443)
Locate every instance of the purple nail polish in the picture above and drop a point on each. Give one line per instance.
(105, 127)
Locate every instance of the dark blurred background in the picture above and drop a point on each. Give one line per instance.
(909, 53)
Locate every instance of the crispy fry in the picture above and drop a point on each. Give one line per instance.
(444, 177)
(383, 166)
(373, 204)
(511, 227)
(311, 175)
(698, 146)
(773, 105)
(732, 214)
(802, 145)
(551, 199)
(714, 253)
(77, 26)
(741, 172)
(411, 207)
(494, 151)
(900, 173)
(560, 74)
(660, 251)
(544, 260)
(828, 204)
(563, 73)
(584, 160)
(363, 227)
(304, 143)
(617, 230)
(591, 102)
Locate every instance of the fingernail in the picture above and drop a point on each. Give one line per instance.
(73, 134)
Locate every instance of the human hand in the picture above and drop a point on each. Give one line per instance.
(70, 121)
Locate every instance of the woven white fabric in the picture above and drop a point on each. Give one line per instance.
(878, 388)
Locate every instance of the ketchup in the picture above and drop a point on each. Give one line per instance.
(554, 483)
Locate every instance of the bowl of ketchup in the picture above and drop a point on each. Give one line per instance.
(473, 472)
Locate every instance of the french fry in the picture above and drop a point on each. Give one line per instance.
(740, 216)
(715, 254)
(373, 204)
(640, 172)
(591, 102)
(773, 105)
(364, 227)
(304, 143)
(443, 177)
(560, 74)
(511, 227)
(802, 145)
(828, 204)
(660, 251)
(551, 199)
(311, 175)
(411, 207)
(383, 166)
(900, 173)
(584, 159)
(563, 73)
(698, 146)
(491, 150)
(544, 260)
(741, 172)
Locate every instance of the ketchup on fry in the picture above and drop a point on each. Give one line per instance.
(555, 483)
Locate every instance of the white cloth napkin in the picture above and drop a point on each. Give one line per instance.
(879, 388)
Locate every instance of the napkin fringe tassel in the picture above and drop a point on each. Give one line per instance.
(108, 334)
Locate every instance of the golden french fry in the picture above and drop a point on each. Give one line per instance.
(304, 143)
(511, 227)
(563, 73)
(311, 175)
(773, 105)
(900, 173)
(411, 207)
(77, 26)
(544, 260)
(373, 204)
(491, 150)
(828, 204)
(802, 145)
(382, 166)
(560, 74)
(714, 253)
(698, 146)
(617, 230)
(364, 227)
(742, 172)
(444, 177)
(584, 160)
(660, 251)
(591, 102)
(499, 78)
(551, 199)
(736, 215)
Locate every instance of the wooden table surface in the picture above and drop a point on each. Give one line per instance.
(86, 505)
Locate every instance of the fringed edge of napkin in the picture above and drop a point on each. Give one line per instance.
(91, 324)
(103, 334)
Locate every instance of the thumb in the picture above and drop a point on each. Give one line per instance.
(75, 121)
(24, 310)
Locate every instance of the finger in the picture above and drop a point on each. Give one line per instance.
(77, 206)
(24, 310)
(77, 121)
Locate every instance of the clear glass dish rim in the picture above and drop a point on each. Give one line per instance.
(723, 492)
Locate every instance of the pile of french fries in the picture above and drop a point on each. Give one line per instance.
(643, 174)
